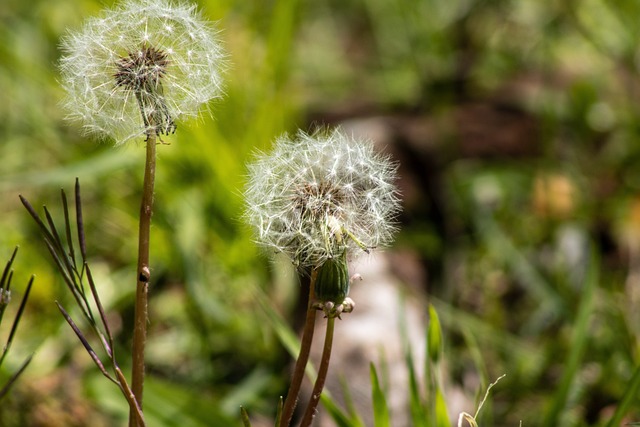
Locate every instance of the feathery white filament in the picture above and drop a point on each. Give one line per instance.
(318, 195)
(190, 77)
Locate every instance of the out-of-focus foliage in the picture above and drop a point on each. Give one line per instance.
(516, 125)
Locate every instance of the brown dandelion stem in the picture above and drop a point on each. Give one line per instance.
(303, 356)
(307, 419)
(143, 277)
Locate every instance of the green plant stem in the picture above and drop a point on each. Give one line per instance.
(630, 395)
(143, 278)
(579, 343)
(310, 412)
(303, 356)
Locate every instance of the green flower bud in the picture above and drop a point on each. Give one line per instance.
(332, 281)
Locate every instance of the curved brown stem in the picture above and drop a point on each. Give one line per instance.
(126, 391)
(322, 374)
(144, 275)
(303, 357)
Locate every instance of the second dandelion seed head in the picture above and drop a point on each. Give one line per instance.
(322, 197)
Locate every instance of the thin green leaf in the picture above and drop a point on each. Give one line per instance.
(351, 407)
(80, 223)
(279, 411)
(339, 417)
(417, 409)
(4, 283)
(67, 228)
(56, 237)
(430, 383)
(380, 409)
(246, 391)
(43, 228)
(628, 401)
(418, 415)
(14, 377)
(86, 344)
(16, 320)
(108, 342)
(434, 335)
(442, 415)
(578, 343)
(245, 417)
(5, 296)
(70, 281)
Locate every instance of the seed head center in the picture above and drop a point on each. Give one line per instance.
(142, 70)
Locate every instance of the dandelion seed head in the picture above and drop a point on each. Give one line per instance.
(151, 55)
(321, 195)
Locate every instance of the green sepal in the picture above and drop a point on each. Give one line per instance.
(332, 282)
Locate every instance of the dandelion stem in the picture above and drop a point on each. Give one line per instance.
(144, 275)
(322, 374)
(303, 356)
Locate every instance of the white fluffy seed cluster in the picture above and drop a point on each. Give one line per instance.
(189, 74)
(320, 195)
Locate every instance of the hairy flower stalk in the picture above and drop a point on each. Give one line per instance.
(130, 73)
(321, 200)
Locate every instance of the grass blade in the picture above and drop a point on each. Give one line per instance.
(578, 343)
(80, 223)
(5, 284)
(56, 236)
(14, 377)
(67, 228)
(339, 417)
(416, 408)
(355, 419)
(86, 344)
(14, 327)
(279, 412)
(628, 400)
(442, 415)
(7, 268)
(245, 417)
(103, 317)
(43, 228)
(380, 409)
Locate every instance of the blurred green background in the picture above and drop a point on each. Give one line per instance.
(516, 126)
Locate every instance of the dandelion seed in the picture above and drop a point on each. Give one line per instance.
(140, 67)
(310, 200)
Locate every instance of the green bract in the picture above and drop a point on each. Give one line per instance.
(332, 281)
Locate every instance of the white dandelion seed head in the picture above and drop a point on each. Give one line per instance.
(317, 196)
(154, 55)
